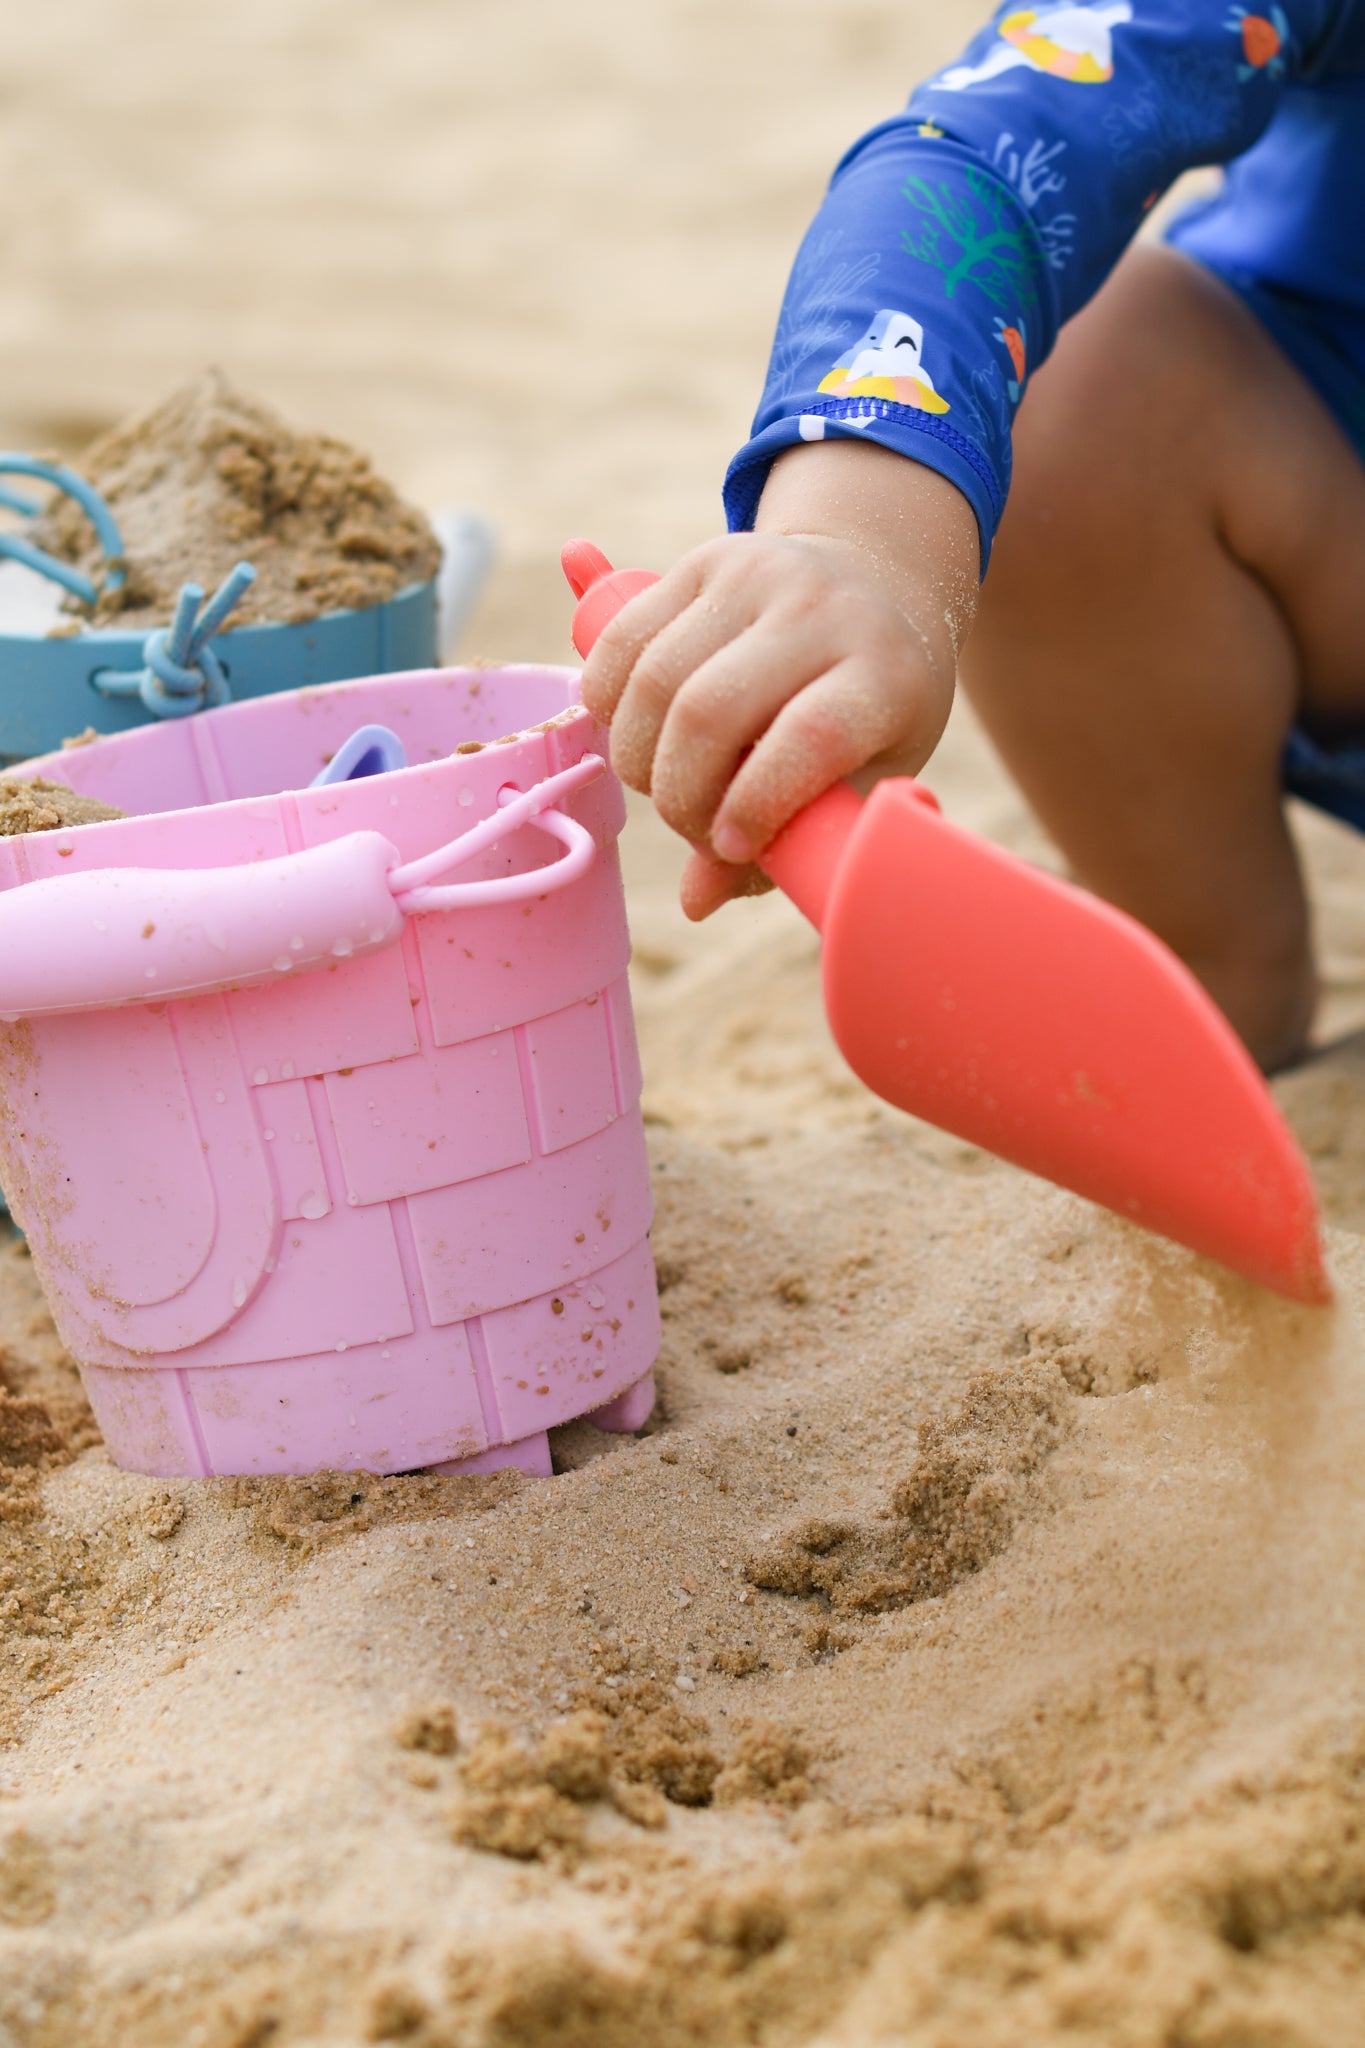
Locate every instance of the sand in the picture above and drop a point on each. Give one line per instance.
(210, 477)
(38, 805)
(971, 1650)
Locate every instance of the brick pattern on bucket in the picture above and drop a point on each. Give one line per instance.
(405, 1185)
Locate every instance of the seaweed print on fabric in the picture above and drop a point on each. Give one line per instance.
(1071, 43)
(887, 363)
(1263, 38)
(821, 286)
(1034, 175)
(1033, 171)
(975, 237)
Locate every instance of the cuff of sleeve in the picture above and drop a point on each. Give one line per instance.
(922, 437)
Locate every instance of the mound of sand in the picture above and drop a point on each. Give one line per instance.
(41, 806)
(969, 1651)
(211, 477)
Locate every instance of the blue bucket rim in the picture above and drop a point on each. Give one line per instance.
(108, 635)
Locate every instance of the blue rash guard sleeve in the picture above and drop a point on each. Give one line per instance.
(956, 238)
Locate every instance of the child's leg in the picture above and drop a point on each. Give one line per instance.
(1180, 573)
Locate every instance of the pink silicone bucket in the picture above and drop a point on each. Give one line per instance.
(320, 1106)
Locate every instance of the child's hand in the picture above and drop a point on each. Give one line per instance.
(764, 666)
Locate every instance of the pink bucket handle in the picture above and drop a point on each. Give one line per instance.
(108, 936)
(411, 882)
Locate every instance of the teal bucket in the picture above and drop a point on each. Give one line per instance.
(54, 686)
(47, 691)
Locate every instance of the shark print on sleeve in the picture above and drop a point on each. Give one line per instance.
(957, 237)
(886, 363)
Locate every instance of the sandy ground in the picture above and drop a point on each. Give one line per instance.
(971, 1650)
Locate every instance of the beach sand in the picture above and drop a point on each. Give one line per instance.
(970, 1651)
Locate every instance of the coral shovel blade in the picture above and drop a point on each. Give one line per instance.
(1031, 1019)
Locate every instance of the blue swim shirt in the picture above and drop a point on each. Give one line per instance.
(957, 237)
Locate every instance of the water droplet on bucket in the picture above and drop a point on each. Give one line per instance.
(149, 973)
(238, 1293)
(341, 1346)
(377, 935)
(261, 1076)
(219, 1095)
(313, 1205)
(283, 964)
(465, 797)
(267, 1135)
(296, 944)
(343, 948)
(287, 1070)
(596, 1298)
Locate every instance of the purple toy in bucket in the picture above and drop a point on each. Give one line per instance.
(327, 1159)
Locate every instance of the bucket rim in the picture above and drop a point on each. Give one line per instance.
(109, 637)
(573, 713)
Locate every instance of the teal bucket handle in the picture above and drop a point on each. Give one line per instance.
(96, 511)
(182, 674)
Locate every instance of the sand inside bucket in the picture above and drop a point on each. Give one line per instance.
(42, 806)
(212, 477)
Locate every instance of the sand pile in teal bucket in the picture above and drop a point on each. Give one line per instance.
(103, 619)
(212, 476)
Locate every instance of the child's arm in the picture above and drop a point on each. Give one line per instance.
(954, 241)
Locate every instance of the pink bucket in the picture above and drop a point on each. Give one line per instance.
(326, 1159)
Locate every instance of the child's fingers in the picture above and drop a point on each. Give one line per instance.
(708, 882)
(666, 666)
(837, 724)
(728, 703)
(623, 640)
